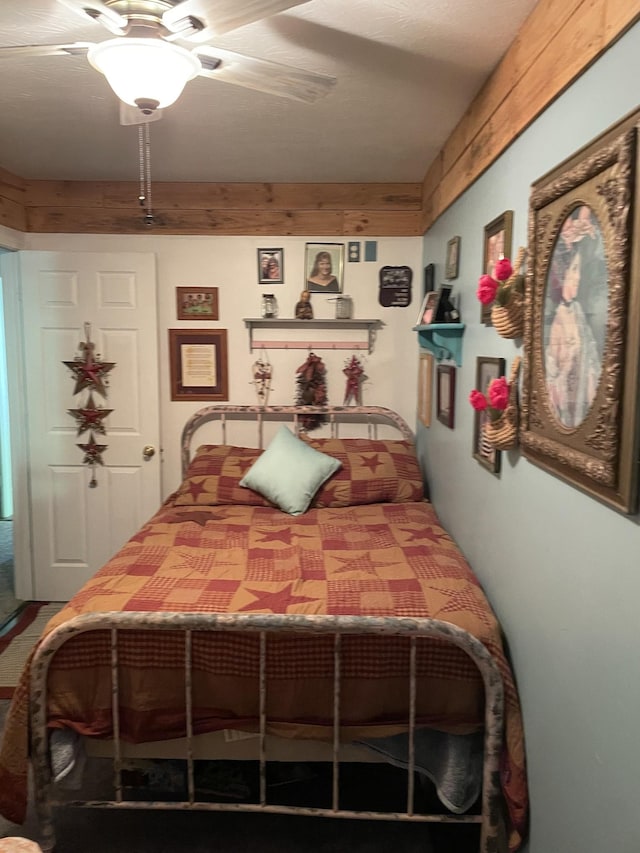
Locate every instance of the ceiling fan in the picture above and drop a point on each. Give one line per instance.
(148, 70)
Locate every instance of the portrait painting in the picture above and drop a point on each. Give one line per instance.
(270, 266)
(324, 267)
(497, 245)
(579, 417)
(487, 369)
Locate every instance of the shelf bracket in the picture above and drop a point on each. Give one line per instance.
(444, 340)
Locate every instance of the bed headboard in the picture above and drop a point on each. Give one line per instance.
(367, 417)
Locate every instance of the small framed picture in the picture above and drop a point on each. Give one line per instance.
(453, 258)
(497, 244)
(429, 308)
(324, 267)
(429, 278)
(270, 266)
(197, 303)
(198, 364)
(446, 392)
(425, 386)
(485, 453)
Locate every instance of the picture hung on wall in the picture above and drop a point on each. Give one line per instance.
(487, 368)
(429, 308)
(453, 258)
(197, 303)
(425, 386)
(324, 267)
(497, 244)
(270, 266)
(446, 394)
(394, 289)
(198, 364)
(579, 417)
(429, 282)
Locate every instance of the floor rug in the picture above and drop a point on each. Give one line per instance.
(16, 643)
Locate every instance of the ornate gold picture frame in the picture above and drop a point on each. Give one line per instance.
(579, 416)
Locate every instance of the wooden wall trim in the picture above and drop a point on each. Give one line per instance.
(559, 40)
(557, 43)
(226, 209)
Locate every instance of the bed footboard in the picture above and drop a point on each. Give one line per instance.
(415, 630)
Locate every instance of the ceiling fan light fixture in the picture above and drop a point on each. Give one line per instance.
(144, 70)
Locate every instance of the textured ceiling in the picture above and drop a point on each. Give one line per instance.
(406, 70)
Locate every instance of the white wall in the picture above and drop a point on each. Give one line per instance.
(230, 263)
(561, 569)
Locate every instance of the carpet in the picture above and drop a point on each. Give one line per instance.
(18, 639)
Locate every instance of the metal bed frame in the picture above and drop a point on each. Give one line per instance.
(416, 630)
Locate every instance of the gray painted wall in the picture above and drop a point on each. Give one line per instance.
(561, 570)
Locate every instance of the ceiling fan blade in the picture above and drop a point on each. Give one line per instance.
(262, 75)
(133, 115)
(221, 16)
(78, 48)
(98, 11)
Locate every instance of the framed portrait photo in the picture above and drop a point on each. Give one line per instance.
(197, 303)
(429, 308)
(487, 368)
(198, 364)
(270, 266)
(324, 267)
(453, 258)
(579, 412)
(497, 244)
(446, 394)
(425, 388)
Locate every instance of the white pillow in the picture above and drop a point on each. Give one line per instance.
(289, 472)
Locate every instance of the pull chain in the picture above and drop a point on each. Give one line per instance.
(144, 163)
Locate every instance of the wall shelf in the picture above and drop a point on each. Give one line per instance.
(259, 323)
(444, 340)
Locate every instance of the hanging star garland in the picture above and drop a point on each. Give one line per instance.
(90, 373)
(91, 417)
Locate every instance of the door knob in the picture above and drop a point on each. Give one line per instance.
(148, 451)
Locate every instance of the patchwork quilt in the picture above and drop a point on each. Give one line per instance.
(377, 559)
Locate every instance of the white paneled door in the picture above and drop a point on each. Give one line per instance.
(76, 528)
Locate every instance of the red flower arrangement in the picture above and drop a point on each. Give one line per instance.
(495, 401)
(493, 288)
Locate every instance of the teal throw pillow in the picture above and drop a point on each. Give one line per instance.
(289, 472)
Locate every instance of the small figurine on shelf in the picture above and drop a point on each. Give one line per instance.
(304, 309)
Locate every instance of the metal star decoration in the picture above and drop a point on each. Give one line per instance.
(90, 374)
(88, 370)
(90, 417)
(92, 457)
